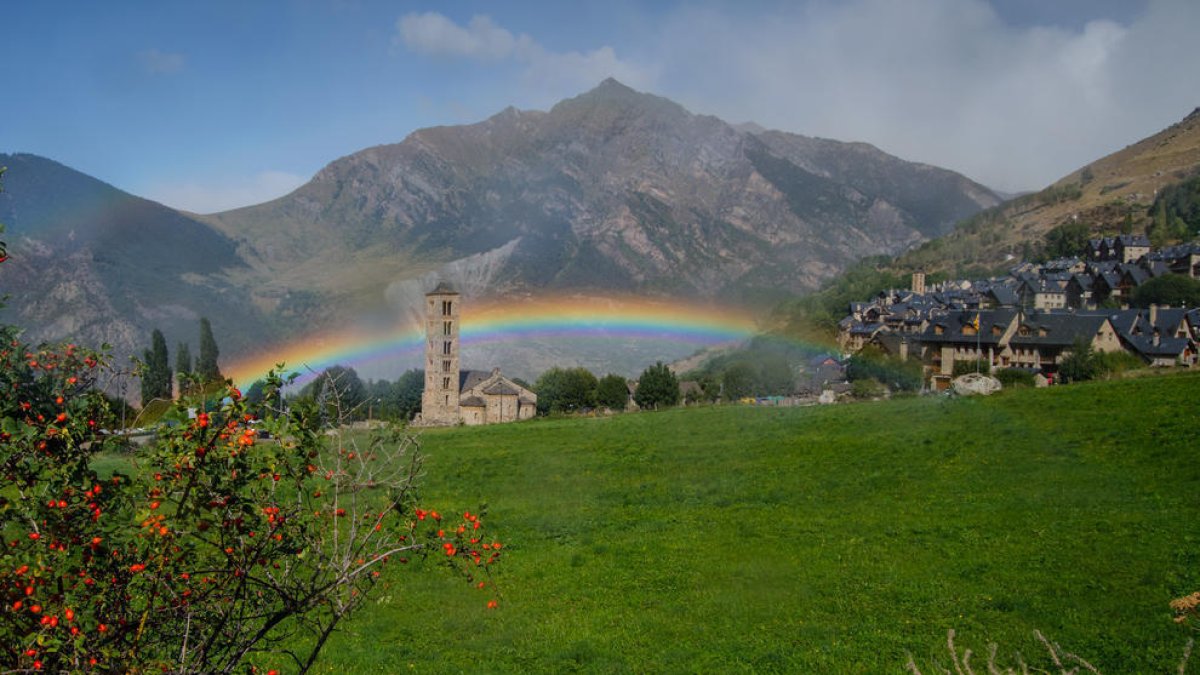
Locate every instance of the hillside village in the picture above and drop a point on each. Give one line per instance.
(1032, 318)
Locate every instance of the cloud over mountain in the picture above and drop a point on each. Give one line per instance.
(954, 83)
(482, 39)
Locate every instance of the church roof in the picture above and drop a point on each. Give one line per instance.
(472, 402)
(501, 388)
(469, 379)
(443, 288)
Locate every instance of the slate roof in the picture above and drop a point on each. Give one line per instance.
(1122, 320)
(1167, 319)
(473, 402)
(1157, 268)
(1136, 274)
(1109, 279)
(891, 342)
(865, 328)
(501, 388)
(954, 322)
(1004, 295)
(469, 379)
(1132, 240)
(1083, 281)
(1045, 285)
(1172, 346)
(1061, 329)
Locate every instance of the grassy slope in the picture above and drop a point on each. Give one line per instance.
(1112, 186)
(813, 540)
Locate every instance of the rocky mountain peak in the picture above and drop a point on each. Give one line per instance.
(611, 99)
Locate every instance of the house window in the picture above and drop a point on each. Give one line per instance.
(995, 330)
(968, 330)
(1042, 332)
(938, 330)
(445, 328)
(445, 366)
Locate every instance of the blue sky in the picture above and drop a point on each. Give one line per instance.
(211, 105)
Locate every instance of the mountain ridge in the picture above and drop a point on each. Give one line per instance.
(604, 185)
(1109, 194)
(612, 190)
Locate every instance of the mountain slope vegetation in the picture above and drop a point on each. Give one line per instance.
(98, 265)
(1115, 194)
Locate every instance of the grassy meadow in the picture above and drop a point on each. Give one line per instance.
(831, 539)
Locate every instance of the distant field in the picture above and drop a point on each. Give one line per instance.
(829, 539)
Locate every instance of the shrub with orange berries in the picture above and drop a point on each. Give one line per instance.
(217, 537)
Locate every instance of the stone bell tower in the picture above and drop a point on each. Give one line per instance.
(439, 402)
(918, 282)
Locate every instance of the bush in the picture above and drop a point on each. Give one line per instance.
(1014, 377)
(894, 373)
(867, 388)
(1080, 363)
(967, 367)
(1115, 363)
(220, 549)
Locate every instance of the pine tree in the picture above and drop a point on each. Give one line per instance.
(206, 363)
(183, 366)
(156, 377)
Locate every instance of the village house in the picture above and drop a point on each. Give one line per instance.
(1032, 318)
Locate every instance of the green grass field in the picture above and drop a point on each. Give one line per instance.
(832, 539)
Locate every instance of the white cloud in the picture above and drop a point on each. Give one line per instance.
(942, 81)
(228, 194)
(544, 72)
(434, 34)
(948, 82)
(158, 62)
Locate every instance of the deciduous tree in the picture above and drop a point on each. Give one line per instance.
(1175, 290)
(612, 392)
(657, 387)
(565, 390)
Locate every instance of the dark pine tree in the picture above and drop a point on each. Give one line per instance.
(206, 363)
(183, 366)
(156, 378)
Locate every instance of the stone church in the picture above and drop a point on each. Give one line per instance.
(455, 396)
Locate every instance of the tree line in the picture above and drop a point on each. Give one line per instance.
(158, 382)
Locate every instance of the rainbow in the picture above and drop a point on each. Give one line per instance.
(488, 322)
